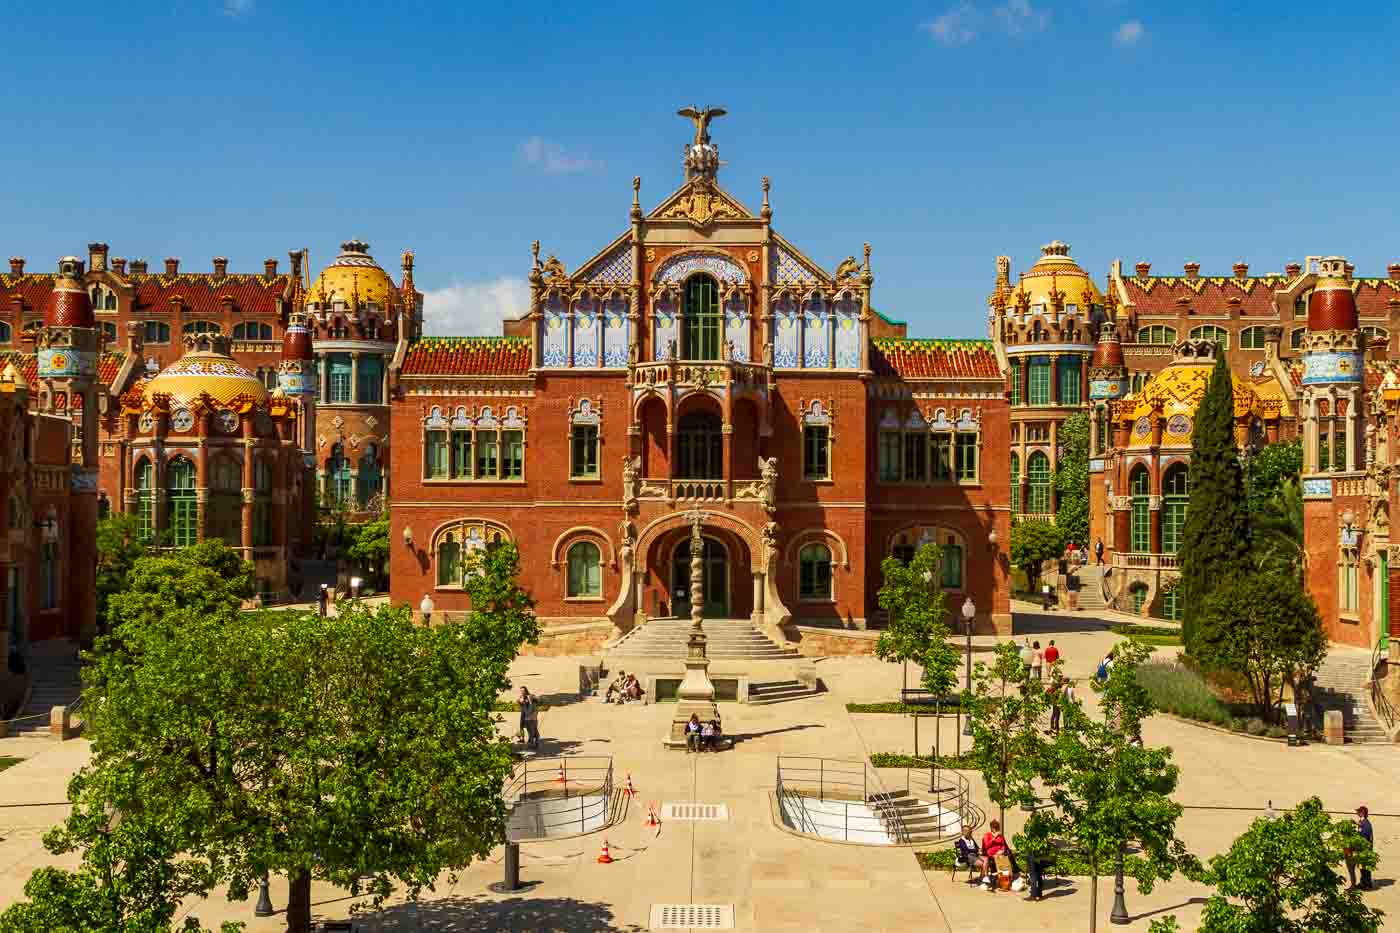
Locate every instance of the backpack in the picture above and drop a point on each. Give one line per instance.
(1102, 672)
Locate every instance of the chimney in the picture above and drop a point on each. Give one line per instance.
(1143, 269)
(17, 266)
(1350, 267)
(221, 265)
(119, 265)
(1241, 270)
(1393, 269)
(97, 257)
(1293, 270)
(172, 265)
(295, 257)
(1193, 269)
(269, 267)
(138, 266)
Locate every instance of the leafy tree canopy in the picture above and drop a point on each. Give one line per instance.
(370, 541)
(1033, 542)
(209, 578)
(120, 544)
(1072, 479)
(1008, 748)
(1278, 531)
(1274, 465)
(918, 613)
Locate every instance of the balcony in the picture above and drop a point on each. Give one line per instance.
(704, 490)
(698, 373)
(1142, 560)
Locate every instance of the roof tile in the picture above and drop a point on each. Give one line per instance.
(468, 356)
(203, 293)
(906, 358)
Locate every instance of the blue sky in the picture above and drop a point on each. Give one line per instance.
(943, 133)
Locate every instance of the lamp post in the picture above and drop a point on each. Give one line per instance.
(264, 905)
(969, 611)
(1120, 909)
(426, 607)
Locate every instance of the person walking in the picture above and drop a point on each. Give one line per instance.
(1037, 661)
(321, 599)
(1027, 656)
(529, 719)
(1098, 551)
(1363, 826)
(1052, 654)
(1046, 593)
(1053, 695)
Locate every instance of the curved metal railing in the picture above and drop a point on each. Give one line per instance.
(1379, 701)
(566, 792)
(947, 790)
(852, 786)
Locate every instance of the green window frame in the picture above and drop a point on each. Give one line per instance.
(449, 561)
(1210, 332)
(1140, 523)
(155, 332)
(340, 481)
(702, 320)
(1039, 388)
(890, 466)
(1038, 481)
(942, 457)
(1157, 335)
(1138, 593)
(1176, 493)
(369, 388)
(184, 511)
(202, 327)
(700, 447)
(816, 452)
(967, 457)
(1252, 338)
(583, 448)
(1171, 605)
(461, 463)
(585, 571)
(814, 575)
(1015, 483)
(340, 389)
(1014, 389)
(435, 455)
(145, 499)
(952, 566)
(1067, 370)
(512, 455)
(488, 454)
(370, 476)
(1295, 338)
(915, 457)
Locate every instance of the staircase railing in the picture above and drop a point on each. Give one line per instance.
(1379, 701)
(565, 791)
(846, 784)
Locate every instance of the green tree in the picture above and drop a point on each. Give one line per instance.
(278, 742)
(1033, 543)
(1266, 627)
(1108, 788)
(208, 578)
(120, 545)
(1278, 531)
(913, 599)
(1281, 876)
(1005, 707)
(1072, 479)
(1267, 471)
(369, 545)
(1215, 539)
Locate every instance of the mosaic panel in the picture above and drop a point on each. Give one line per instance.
(585, 339)
(663, 328)
(616, 267)
(787, 268)
(1337, 366)
(555, 339)
(788, 339)
(815, 335)
(721, 267)
(616, 332)
(736, 328)
(847, 339)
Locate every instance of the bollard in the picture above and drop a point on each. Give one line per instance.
(264, 905)
(511, 861)
(1333, 727)
(59, 723)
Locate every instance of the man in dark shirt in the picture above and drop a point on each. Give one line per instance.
(1363, 826)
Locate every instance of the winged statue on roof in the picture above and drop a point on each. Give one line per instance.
(701, 119)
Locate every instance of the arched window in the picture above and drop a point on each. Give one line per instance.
(1212, 333)
(449, 561)
(371, 478)
(1295, 338)
(1252, 338)
(1138, 594)
(1015, 483)
(202, 327)
(155, 332)
(1157, 335)
(952, 565)
(339, 482)
(1038, 480)
(103, 298)
(814, 572)
(701, 448)
(1176, 492)
(252, 330)
(145, 499)
(700, 334)
(585, 570)
(184, 512)
(1140, 525)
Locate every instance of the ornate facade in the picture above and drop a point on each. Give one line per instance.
(700, 361)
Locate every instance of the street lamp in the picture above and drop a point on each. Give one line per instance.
(264, 905)
(969, 612)
(426, 607)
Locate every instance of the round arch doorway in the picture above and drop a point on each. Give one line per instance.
(715, 585)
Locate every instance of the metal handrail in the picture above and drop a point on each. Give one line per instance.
(837, 780)
(583, 777)
(1379, 700)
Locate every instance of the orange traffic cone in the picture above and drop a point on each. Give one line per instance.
(559, 776)
(651, 816)
(604, 858)
(629, 790)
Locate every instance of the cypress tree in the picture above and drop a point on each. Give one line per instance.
(1215, 541)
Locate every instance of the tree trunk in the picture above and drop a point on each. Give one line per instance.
(299, 903)
(1094, 897)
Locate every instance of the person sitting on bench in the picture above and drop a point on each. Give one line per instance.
(615, 689)
(692, 733)
(709, 735)
(968, 855)
(994, 846)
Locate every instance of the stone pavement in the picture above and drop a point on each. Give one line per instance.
(777, 881)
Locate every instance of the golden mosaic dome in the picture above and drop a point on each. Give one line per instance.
(1177, 391)
(1055, 271)
(207, 369)
(353, 278)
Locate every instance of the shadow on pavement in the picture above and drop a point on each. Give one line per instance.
(746, 736)
(1055, 623)
(543, 914)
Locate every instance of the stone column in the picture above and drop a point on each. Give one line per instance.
(696, 694)
(355, 376)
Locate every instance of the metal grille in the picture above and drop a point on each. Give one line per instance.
(692, 916)
(694, 811)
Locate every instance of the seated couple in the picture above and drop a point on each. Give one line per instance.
(984, 859)
(701, 736)
(624, 688)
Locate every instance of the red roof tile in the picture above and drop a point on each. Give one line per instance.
(203, 292)
(28, 365)
(468, 356)
(1211, 294)
(902, 358)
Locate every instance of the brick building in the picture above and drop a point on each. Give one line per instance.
(701, 362)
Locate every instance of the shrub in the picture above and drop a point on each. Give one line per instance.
(950, 705)
(1176, 689)
(1255, 726)
(896, 760)
(1068, 863)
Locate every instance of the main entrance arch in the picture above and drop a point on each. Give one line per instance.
(715, 585)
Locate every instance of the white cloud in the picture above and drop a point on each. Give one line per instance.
(237, 9)
(1130, 33)
(474, 309)
(553, 159)
(957, 26)
(1020, 18)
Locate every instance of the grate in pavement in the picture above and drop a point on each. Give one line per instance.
(692, 916)
(694, 811)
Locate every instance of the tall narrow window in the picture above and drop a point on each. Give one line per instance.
(967, 457)
(585, 570)
(1040, 381)
(435, 455)
(915, 457)
(1014, 376)
(184, 514)
(889, 457)
(942, 457)
(1068, 377)
(341, 369)
(1176, 492)
(1015, 484)
(369, 387)
(1339, 446)
(814, 578)
(48, 575)
(512, 454)
(145, 499)
(487, 454)
(340, 484)
(952, 566)
(1038, 482)
(461, 454)
(262, 503)
(370, 480)
(1324, 447)
(584, 446)
(816, 443)
(1140, 523)
(449, 561)
(702, 323)
(701, 447)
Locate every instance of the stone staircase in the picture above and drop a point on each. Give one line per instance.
(726, 640)
(54, 681)
(1091, 588)
(921, 825)
(779, 691)
(1342, 684)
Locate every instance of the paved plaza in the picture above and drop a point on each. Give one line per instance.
(777, 881)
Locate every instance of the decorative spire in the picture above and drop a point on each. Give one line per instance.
(701, 155)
